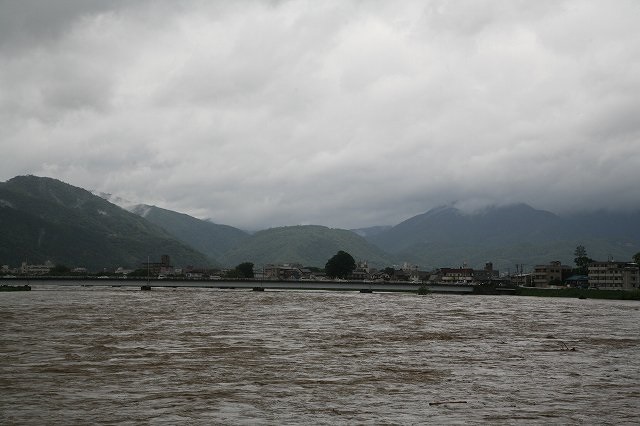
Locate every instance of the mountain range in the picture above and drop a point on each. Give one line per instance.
(45, 219)
(207, 237)
(508, 236)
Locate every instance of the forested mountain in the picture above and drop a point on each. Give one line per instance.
(497, 225)
(209, 238)
(44, 219)
(309, 245)
(370, 231)
(509, 235)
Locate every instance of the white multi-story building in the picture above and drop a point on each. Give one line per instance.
(612, 275)
(27, 269)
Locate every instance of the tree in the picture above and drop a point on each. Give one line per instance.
(636, 258)
(232, 274)
(581, 259)
(341, 265)
(60, 269)
(245, 270)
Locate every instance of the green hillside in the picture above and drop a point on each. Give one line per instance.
(209, 238)
(309, 245)
(509, 236)
(44, 219)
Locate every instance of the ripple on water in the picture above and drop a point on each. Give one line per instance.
(116, 355)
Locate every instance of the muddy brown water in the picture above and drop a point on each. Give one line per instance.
(202, 356)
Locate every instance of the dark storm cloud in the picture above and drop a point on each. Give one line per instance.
(25, 23)
(338, 113)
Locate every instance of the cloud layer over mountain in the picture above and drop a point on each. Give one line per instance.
(339, 113)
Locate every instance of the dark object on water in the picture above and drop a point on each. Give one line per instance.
(566, 348)
(5, 287)
(423, 289)
(582, 296)
(447, 402)
(145, 287)
(258, 289)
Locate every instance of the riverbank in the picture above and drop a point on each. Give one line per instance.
(5, 287)
(581, 293)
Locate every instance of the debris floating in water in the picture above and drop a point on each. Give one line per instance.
(447, 402)
(566, 348)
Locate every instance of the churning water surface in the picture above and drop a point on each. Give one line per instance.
(202, 356)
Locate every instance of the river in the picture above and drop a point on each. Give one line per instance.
(83, 355)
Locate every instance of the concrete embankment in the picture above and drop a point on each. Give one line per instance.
(266, 285)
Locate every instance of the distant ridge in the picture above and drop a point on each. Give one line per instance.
(309, 245)
(509, 235)
(44, 219)
(207, 237)
(498, 225)
(371, 231)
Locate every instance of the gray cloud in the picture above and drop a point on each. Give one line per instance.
(345, 114)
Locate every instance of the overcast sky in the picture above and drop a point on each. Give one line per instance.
(339, 113)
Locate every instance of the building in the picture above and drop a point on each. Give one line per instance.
(551, 274)
(456, 275)
(283, 272)
(522, 280)
(413, 274)
(27, 269)
(612, 275)
(159, 268)
(361, 272)
(123, 271)
(486, 275)
(577, 281)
